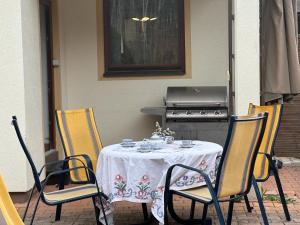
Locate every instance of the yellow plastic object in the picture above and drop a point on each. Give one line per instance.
(234, 178)
(79, 135)
(261, 170)
(8, 212)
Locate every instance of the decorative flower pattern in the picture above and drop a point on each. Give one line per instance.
(121, 190)
(144, 187)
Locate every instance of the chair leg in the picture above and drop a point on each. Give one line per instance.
(28, 203)
(192, 213)
(103, 210)
(35, 209)
(218, 210)
(97, 212)
(249, 208)
(204, 213)
(58, 212)
(169, 207)
(230, 211)
(145, 211)
(167, 198)
(281, 194)
(260, 202)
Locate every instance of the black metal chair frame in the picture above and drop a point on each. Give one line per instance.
(273, 170)
(40, 185)
(169, 193)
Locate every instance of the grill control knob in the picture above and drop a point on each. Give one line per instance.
(217, 112)
(188, 112)
(202, 112)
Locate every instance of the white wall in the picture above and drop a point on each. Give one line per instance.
(33, 84)
(12, 99)
(117, 103)
(247, 69)
(20, 90)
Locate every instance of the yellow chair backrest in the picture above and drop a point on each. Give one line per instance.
(8, 212)
(236, 168)
(261, 170)
(79, 135)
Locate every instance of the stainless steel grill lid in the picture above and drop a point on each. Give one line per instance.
(213, 96)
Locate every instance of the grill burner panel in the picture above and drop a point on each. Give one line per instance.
(197, 114)
(196, 103)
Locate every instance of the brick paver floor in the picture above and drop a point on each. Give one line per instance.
(82, 213)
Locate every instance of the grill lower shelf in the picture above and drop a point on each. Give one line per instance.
(204, 131)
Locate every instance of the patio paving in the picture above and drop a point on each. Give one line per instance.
(82, 213)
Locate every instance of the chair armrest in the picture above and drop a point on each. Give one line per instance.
(64, 171)
(87, 160)
(57, 162)
(275, 163)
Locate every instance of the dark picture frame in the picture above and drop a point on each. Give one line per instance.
(128, 70)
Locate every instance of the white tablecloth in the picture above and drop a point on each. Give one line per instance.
(125, 174)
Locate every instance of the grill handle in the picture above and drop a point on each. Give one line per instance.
(197, 104)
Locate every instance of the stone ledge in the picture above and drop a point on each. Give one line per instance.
(289, 161)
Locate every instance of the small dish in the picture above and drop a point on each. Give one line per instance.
(143, 150)
(128, 144)
(187, 146)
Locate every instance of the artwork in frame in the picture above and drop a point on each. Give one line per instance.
(144, 37)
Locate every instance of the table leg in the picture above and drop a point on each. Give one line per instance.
(145, 211)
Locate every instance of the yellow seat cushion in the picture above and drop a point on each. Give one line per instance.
(201, 193)
(71, 193)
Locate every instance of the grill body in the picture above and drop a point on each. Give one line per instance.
(195, 113)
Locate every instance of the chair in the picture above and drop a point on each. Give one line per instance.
(80, 136)
(234, 176)
(265, 165)
(8, 212)
(62, 196)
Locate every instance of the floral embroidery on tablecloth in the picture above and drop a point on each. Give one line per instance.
(121, 188)
(197, 178)
(144, 187)
(157, 197)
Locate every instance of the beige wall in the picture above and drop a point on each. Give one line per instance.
(20, 91)
(117, 103)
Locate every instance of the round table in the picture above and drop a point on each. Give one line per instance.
(125, 174)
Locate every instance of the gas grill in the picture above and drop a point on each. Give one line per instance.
(196, 113)
(196, 104)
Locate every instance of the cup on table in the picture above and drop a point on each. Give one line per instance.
(145, 146)
(169, 139)
(187, 142)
